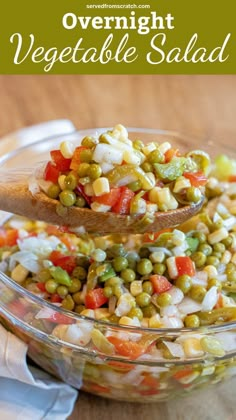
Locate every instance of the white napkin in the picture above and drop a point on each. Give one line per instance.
(27, 393)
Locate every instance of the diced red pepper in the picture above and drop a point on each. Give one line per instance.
(170, 153)
(182, 373)
(66, 262)
(61, 163)
(76, 157)
(80, 190)
(197, 179)
(95, 298)
(123, 204)
(41, 286)
(109, 199)
(55, 298)
(129, 349)
(185, 265)
(8, 237)
(150, 381)
(232, 178)
(160, 283)
(51, 173)
(150, 391)
(57, 318)
(17, 308)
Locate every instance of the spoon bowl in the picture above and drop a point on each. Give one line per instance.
(15, 196)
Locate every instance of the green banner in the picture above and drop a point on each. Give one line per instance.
(118, 37)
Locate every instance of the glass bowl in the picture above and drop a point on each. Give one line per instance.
(87, 363)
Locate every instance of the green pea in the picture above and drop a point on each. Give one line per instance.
(136, 313)
(192, 321)
(197, 293)
(71, 181)
(53, 191)
(199, 258)
(51, 286)
(80, 202)
(128, 275)
(231, 276)
(147, 167)
(114, 319)
(148, 287)
(135, 186)
(227, 241)
(217, 225)
(217, 255)
(83, 169)
(77, 298)
(144, 252)
(138, 144)
(193, 194)
(89, 142)
(79, 308)
(144, 266)
(230, 267)
(108, 292)
(200, 236)
(156, 156)
(211, 260)
(86, 156)
(116, 250)
(143, 299)
(67, 198)
(114, 281)
(214, 282)
(219, 247)
(75, 285)
(68, 303)
(164, 299)
(212, 345)
(149, 311)
(62, 291)
(103, 139)
(120, 263)
(159, 268)
(184, 283)
(132, 258)
(206, 249)
(95, 171)
(118, 290)
(44, 275)
(80, 273)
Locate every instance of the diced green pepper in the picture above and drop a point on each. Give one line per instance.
(172, 170)
(61, 276)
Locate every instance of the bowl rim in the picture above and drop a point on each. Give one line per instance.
(84, 131)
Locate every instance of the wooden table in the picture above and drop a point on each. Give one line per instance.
(202, 105)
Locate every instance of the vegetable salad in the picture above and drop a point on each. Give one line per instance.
(109, 172)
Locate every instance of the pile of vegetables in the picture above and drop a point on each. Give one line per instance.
(111, 173)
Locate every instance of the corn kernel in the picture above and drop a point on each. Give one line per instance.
(67, 149)
(217, 236)
(19, 273)
(154, 321)
(100, 207)
(88, 189)
(136, 287)
(149, 148)
(88, 312)
(132, 322)
(131, 157)
(101, 186)
(61, 182)
(192, 347)
(164, 147)
(101, 313)
(211, 271)
(226, 257)
(181, 184)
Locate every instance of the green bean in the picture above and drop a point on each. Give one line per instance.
(217, 315)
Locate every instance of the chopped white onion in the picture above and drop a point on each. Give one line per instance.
(227, 340)
(171, 322)
(175, 349)
(210, 299)
(176, 295)
(189, 306)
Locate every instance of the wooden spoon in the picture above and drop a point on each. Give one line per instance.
(15, 197)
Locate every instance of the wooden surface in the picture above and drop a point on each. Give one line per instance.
(202, 105)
